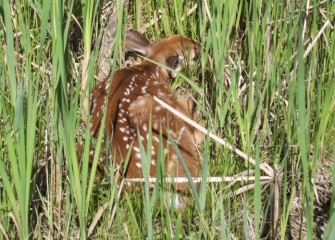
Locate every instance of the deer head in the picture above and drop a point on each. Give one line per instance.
(173, 51)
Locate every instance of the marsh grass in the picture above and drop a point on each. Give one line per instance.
(264, 82)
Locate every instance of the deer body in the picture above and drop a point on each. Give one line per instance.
(131, 109)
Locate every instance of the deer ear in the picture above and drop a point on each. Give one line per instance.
(136, 42)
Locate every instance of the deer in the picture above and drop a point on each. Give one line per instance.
(132, 110)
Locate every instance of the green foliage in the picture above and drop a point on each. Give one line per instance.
(264, 81)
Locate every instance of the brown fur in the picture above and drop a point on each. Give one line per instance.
(130, 106)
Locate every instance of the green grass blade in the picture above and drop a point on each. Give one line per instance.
(10, 50)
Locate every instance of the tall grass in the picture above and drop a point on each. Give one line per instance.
(264, 83)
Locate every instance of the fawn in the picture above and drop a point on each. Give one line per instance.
(128, 97)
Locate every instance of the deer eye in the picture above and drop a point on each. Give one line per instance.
(173, 62)
(175, 65)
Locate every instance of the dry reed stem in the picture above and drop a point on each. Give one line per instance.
(102, 210)
(198, 179)
(311, 45)
(207, 11)
(275, 206)
(97, 218)
(248, 187)
(114, 208)
(325, 17)
(305, 20)
(3, 231)
(12, 216)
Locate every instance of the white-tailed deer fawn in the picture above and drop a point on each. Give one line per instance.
(130, 107)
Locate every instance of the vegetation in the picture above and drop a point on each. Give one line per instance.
(264, 82)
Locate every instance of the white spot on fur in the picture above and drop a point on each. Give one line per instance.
(145, 128)
(139, 165)
(138, 155)
(158, 108)
(156, 139)
(136, 149)
(143, 89)
(161, 94)
(155, 125)
(125, 138)
(153, 162)
(173, 134)
(127, 146)
(141, 101)
(122, 129)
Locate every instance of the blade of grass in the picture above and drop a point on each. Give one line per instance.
(303, 139)
(10, 50)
